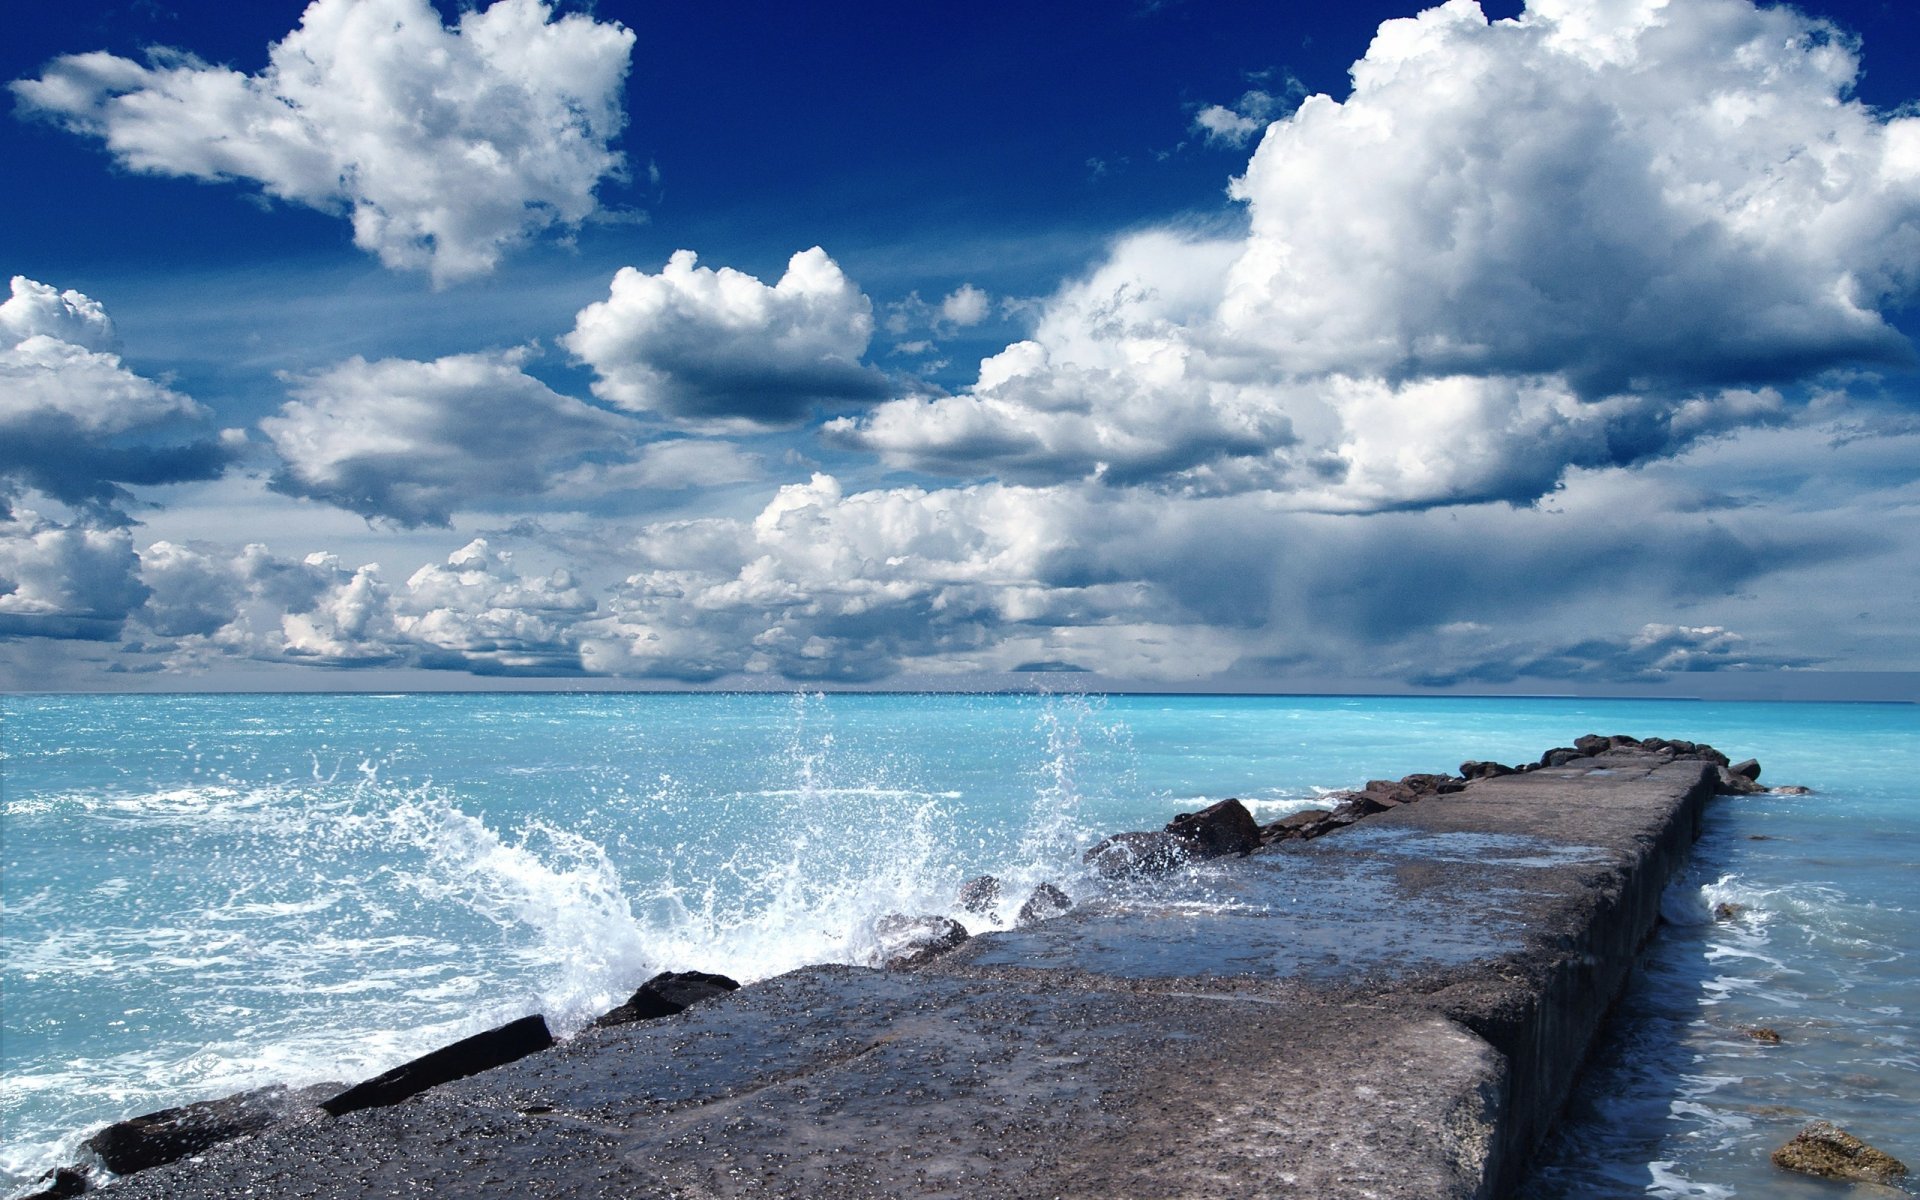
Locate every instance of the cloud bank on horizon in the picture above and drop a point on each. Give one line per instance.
(1558, 350)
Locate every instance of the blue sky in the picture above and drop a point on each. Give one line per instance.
(1562, 347)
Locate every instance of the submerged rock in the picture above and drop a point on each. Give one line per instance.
(1791, 789)
(666, 994)
(909, 941)
(157, 1138)
(1726, 911)
(1129, 855)
(468, 1056)
(1217, 830)
(1764, 1035)
(980, 894)
(1046, 901)
(1830, 1152)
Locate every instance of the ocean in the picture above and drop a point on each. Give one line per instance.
(208, 893)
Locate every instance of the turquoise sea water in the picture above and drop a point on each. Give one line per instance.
(208, 893)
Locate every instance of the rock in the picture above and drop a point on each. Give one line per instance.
(1560, 756)
(1591, 744)
(1829, 1152)
(1047, 901)
(1728, 912)
(1734, 785)
(1621, 741)
(1790, 789)
(666, 994)
(1217, 830)
(1431, 785)
(1475, 769)
(1749, 767)
(1125, 855)
(979, 895)
(1765, 1036)
(157, 1138)
(468, 1056)
(1293, 825)
(60, 1183)
(909, 941)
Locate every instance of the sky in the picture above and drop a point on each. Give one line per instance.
(1560, 347)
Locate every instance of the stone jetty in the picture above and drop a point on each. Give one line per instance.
(1390, 1000)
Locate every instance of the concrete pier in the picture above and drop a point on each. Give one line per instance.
(1395, 1010)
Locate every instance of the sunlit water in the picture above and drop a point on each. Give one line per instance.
(209, 893)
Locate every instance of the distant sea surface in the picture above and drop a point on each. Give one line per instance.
(210, 893)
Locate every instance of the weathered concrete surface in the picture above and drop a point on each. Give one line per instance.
(1396, 1010)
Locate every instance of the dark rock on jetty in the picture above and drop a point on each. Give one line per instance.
(1216, 831)
(174, 1133)
(979, 895)
(1395, 1012)
(666, 994)
(1832, 1153)
(1046, 902)
(909, 941)
(1131, 855)
(469, 1056)
(60, 1184)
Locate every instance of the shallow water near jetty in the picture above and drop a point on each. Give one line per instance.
(208, 893)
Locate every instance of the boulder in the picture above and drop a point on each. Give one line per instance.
(60, 1183)
(1591, 744)
(1217, 830)
(909, 941)
(157, 1138)
(1829, 1152)
(980, 894)
(468, 1056)
(1749, 767)
(1293, 825)
(1729, 784)
(666, 994)
(1047, 901)
(1790, 789)
(1432, 785)
(1475, 769)
(1126, 855)
(1560, 756)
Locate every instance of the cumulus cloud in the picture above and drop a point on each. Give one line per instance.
(476, 612)
(413, 441)
(65, 581)
(1236, 124)
(722, 350)
(75, 423)
(966, 305)
(447, 147)
(1588, 236)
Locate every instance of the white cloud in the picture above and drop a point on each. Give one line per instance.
(65, 581)
(1236, 124)
(965, 306)
(447, 147)
(475, 612)
(721, 350)
(1584, 237)
(75, 423)
(414, 441)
